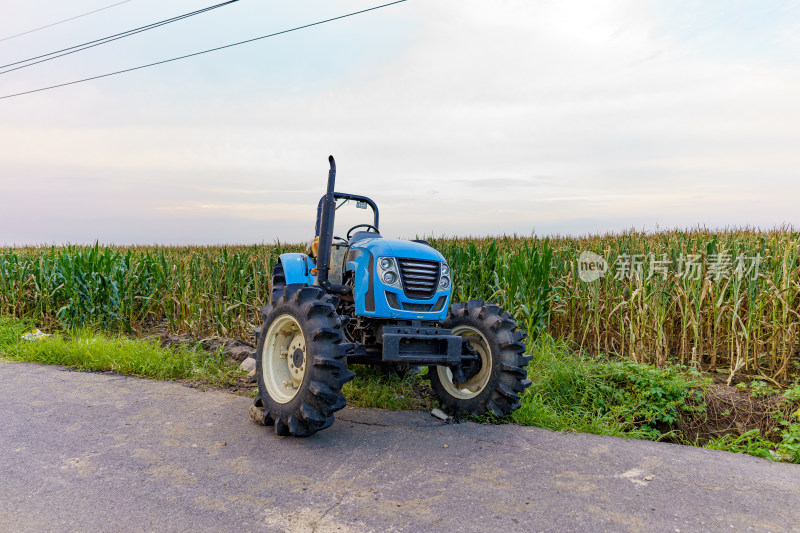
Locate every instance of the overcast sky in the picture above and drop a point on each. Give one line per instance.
(457, 117)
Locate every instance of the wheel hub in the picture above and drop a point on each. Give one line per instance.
(296, 361)
(284, 360)
(476, 373)
(297, 358)
(469, 368)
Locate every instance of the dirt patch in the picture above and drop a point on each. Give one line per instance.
(235, 350)
(169, 339)
(243, 386)
(729, 410)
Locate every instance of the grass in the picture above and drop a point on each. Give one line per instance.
(574, 392)
(374, 388)
(750, 443)
(85, 349)
(88, 350)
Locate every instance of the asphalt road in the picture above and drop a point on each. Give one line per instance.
(99, 452)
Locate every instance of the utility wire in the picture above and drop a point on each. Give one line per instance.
(63, 21)
(110, 38)
(204, 51)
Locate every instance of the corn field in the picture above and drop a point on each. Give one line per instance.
(711, 300)
(714, 300)
(198, 290)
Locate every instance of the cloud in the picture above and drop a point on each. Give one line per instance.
(458, 118)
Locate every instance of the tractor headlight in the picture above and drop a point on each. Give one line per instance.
(445, 269)
(387, 270)
(444, 283)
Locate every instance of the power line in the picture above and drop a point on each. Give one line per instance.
(63, 21)
(110, 38)
(124, 33)
(204, 51)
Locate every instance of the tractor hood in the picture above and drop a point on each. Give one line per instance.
(381, 247)
(420, 293)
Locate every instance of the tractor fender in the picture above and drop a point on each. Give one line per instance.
(297, 268)
(360, 263)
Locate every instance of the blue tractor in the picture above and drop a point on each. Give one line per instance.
(371, 300)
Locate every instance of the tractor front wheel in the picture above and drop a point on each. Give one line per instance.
(496, 380)
(300, 362)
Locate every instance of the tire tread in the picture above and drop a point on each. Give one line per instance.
(508, 381)
(321, 392)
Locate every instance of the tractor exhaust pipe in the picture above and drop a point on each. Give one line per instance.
(326, 229)
(331, 177)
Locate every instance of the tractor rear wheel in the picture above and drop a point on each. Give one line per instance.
(277, 282)
(495, 382)
(300, 362)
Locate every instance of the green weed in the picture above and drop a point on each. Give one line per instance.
(758, 388)
(789, 447)
(574, 392)
(792, 394)
(750, 442)
(85, 349)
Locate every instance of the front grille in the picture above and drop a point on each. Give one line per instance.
(420, 278)
(417, 307)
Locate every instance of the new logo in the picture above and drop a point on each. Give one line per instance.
(591, 266)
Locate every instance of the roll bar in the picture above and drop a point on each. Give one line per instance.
(326, 212)
(346, 196)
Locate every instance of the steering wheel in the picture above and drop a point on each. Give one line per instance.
(368, 226)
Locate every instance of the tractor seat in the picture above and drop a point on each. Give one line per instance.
(361, 235)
